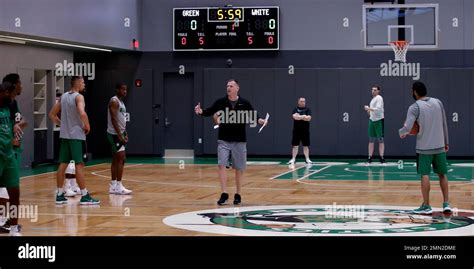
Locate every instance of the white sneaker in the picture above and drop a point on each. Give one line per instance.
(3, 220)
(112, 188)
(4, 193)
(292, 161)
(75, 188)
(308, 161)
(69, 192)
(120, 189)
(15, 230)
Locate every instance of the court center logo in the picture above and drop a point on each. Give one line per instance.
(399, 67)
(315, 221)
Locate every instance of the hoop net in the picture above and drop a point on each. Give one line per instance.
(400, 49)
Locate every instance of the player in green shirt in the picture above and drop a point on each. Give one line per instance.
(9, 170)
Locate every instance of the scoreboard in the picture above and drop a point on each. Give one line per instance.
(226, 28)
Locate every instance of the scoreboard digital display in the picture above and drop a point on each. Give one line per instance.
(226, 28)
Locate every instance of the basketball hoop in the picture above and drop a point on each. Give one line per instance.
(400, 49)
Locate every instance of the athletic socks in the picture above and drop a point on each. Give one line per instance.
(59, 191)
(84, 192)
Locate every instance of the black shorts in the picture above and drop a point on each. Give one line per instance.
(300, 137)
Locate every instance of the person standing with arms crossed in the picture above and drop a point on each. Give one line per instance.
(74, 126)
(432, 143)
(301, 116)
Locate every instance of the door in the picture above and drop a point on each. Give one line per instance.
(178, 111)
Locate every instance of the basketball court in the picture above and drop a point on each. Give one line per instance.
(182, 186)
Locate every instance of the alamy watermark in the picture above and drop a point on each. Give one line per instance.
(37, 252)
(399, 67)
(9, 211)
(86, 70)
(228, 116)
(335, 211)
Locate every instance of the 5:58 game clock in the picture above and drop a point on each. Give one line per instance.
(226, 28)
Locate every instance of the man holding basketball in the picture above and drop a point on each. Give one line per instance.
(231, 137)
(375, 110)
(431, 143)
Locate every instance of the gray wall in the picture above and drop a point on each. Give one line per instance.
(304, 24)
(24, 59)
(310, 24)
(334, 82)
(138, 104)
(329, 94)
(97, 22)
(331, 70)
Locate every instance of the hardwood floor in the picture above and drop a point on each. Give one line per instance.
(161, 190)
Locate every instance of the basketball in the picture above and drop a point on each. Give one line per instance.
(415, 129)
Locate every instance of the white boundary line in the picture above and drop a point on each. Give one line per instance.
(309, 166)
(47, 173)
(376, 172)
(359, 188)
(126, 166)
(315, 172)
(400, 192)
(290, 171)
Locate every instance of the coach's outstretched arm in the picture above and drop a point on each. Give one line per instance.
(208, 111)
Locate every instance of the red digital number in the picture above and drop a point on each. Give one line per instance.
(250, 40)
(270, 40)
(183, 41)
(201, 40)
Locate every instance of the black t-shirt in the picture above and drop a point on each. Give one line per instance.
(301, 125)
(230, 132)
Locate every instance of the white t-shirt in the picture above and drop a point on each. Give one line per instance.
(377, 105)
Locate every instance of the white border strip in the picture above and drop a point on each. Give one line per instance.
(412, 46)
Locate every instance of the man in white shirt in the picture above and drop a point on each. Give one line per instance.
(376, 123)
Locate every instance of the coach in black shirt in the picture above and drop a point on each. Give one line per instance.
(301, 116)
(233, 113)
